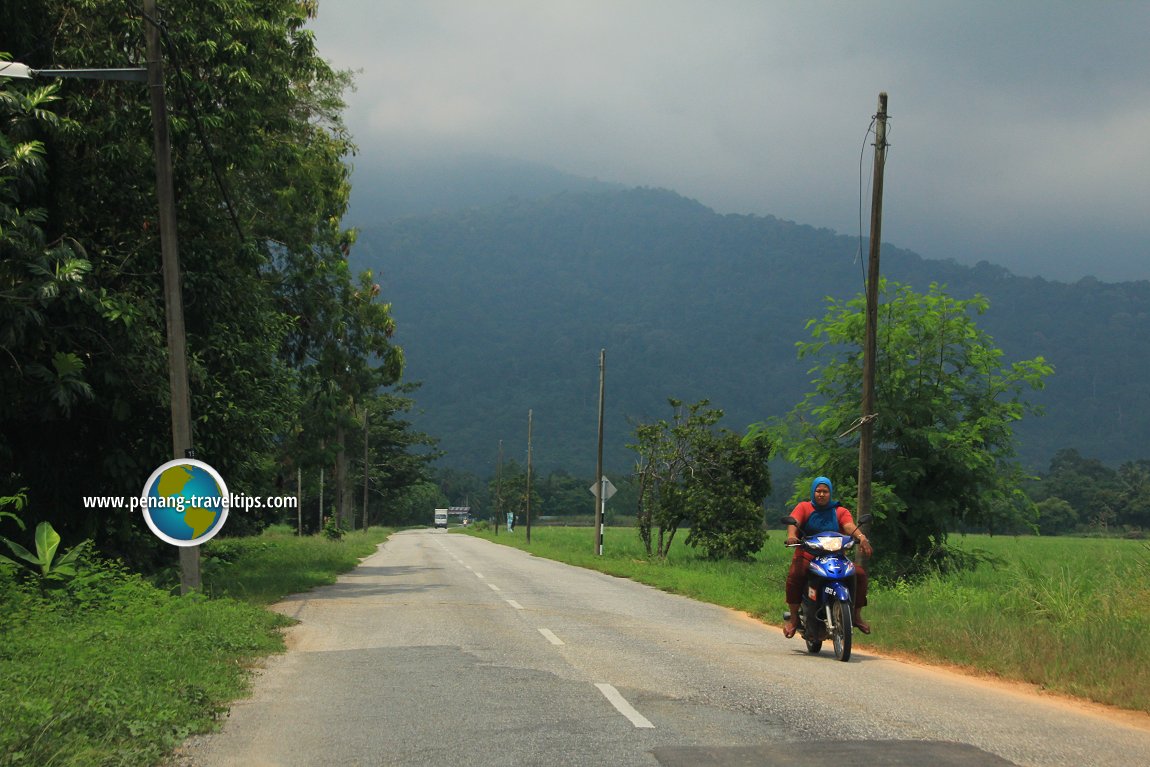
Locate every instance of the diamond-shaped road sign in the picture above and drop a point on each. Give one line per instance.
(608, 489)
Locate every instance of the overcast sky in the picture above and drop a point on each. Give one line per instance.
(1019, 129)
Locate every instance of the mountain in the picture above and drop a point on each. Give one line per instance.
(409, 186)
(504, 309)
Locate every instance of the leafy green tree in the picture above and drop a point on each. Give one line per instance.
(945, 401)
(689, 474)
(1093, 490)
(399, 457)
(510, 487)
(565, 495)
(414, 505)
(1134, 501)
(1056, 516)
(726, 505)
(286, 346)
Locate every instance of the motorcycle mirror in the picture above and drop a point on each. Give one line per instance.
(865, 519)
(789, 520)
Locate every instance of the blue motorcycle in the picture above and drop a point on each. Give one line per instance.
(827, 599)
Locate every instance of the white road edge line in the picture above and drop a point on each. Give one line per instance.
(551, 636)
(514, 604)
(623, 707)
(480, 575)
(493, 587)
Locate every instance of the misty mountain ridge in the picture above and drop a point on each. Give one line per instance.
(504, 308)
(407, 186)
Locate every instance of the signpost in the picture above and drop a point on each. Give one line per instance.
(602, 493)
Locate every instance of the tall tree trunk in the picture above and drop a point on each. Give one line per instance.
(342, 492)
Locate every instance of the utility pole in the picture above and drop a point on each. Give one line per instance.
(870, 342)
(173, 298)
(366, 467)
(599, 500)
(180, 399)
(499, 514)
(528, 476)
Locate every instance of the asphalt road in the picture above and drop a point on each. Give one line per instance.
(443, 649)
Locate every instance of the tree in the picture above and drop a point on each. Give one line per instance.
(946, 404)
(1056, 516)
(509, 490)
(1134, 502)
(689, 474)
(1094, 491)
(398, 456)
(285, 344)
(726, 506)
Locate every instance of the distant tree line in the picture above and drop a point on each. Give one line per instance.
(1082, 495)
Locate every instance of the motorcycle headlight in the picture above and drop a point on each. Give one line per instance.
(830, 543)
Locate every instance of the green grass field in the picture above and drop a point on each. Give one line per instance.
(111, 670)
(1071, 615)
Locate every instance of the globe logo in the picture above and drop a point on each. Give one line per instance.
(185, 502)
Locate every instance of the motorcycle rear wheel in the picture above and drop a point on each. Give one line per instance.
(841, 635)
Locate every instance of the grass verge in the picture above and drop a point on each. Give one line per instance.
(111, 670)
(1071, 615)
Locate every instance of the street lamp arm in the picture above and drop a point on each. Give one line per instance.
(23, 71)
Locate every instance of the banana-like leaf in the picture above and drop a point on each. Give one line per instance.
(69, 559)
(20, 551)
(47, 541)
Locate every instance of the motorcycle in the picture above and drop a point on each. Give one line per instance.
(826, 607)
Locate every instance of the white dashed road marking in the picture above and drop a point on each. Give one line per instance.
(551, 637)
(623, 707)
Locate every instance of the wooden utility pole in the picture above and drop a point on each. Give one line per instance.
(599, 460)
(500, 516)
(366, 467)
(529, 476)
(870, 342)
(173, 296)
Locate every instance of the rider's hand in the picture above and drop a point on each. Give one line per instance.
(792, 540)
(865, 546)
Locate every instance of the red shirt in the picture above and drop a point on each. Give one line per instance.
(802, 513)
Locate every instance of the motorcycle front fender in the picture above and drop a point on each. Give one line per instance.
(841, 592)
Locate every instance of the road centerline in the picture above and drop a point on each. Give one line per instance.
(623, 707)
(550, 636)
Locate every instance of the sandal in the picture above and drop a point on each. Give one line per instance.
(789, 629)
(863, 626)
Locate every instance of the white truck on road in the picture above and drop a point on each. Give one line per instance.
(441, 518)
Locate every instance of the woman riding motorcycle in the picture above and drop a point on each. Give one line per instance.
(821, 515)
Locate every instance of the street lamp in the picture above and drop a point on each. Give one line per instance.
(181, 410)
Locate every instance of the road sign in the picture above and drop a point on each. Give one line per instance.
(608, 489)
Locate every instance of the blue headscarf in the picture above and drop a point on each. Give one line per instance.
(825, 518)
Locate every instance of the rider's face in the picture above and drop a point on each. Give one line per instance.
(822, 494)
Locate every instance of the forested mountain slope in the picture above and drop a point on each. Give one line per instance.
(504, 309)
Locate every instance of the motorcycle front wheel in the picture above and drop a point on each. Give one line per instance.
(841, 634)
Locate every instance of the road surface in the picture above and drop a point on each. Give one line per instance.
(443, 649)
